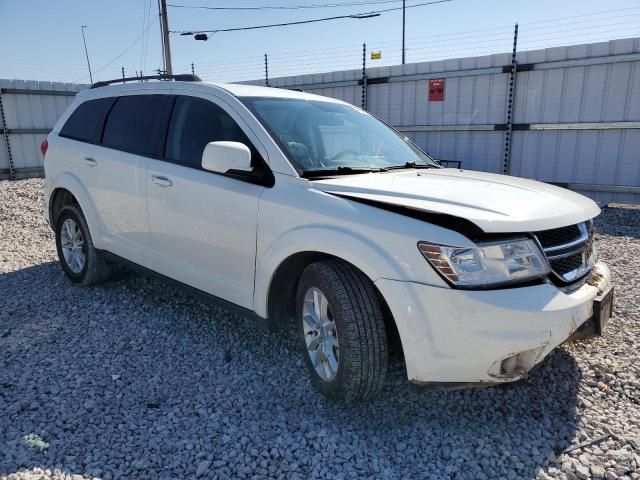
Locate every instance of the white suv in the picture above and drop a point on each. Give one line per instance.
(295, 207)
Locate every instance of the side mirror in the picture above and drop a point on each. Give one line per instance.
(221, 157)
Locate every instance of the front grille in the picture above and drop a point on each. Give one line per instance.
(558, 236)
(564, 265)
(569, 250)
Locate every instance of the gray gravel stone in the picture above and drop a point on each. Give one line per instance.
(598, 471)
(582, 471)
(133, 379)
(203, 468)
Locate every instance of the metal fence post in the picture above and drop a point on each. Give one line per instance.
(364, 76)
(266, 70)
(5, 131)
(506, 165)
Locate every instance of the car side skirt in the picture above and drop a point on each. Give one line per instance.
(217, 301)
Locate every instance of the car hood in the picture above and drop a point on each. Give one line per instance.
(495, 203)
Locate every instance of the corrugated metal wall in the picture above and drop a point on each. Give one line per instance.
(31, 109)
(576, 112)
(605, 91)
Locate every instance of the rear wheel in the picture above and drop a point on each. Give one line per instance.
(80, 260)
(345, 341)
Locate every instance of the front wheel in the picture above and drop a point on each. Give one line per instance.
(345, 340)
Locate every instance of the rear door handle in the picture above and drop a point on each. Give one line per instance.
(162, 181)
(90, 162)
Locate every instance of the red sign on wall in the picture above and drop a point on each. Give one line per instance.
(436, 90)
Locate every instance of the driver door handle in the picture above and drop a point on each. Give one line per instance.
(162, 181)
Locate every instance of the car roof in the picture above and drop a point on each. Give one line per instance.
(235, 89)
(244, 90)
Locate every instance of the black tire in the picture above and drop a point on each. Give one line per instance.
(95, 269)
(362, 337)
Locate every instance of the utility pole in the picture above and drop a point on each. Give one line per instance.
(364, 77)
(506, 165)
(86, 52)
(164, 29)
(403, 28)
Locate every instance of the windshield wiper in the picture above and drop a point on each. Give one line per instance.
(411, 165)
(341, 170)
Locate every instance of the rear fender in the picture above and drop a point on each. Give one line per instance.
(70, 182)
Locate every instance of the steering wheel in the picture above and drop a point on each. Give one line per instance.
(342, 153)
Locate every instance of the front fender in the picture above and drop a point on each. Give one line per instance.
(72, 183)
(360, 251)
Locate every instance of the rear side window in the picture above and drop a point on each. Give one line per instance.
(196, 122)
(86, 122)
(135, 124)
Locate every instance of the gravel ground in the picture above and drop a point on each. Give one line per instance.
(133, 379)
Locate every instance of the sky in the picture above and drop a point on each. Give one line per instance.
(42, 40)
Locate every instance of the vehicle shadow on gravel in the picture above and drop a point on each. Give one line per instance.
(134, 379)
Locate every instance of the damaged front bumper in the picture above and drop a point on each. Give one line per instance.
(459, 338)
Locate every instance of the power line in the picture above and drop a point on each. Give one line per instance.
(144, 22)
(289, 7)
(299, 22)
(446, 38)
(355, 49)
(146, 41)
(133, 44)
(583, 15)
(360, 15)
(544, 33)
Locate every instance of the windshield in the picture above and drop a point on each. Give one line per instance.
(322, 137)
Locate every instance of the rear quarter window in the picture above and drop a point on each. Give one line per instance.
(86, 122)
(137, 124)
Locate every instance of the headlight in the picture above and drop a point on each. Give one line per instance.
(487, 264)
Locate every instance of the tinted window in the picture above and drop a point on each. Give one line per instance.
(196, 122)
(135, 124)
(86, 122)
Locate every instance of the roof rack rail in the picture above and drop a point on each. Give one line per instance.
(186, 77)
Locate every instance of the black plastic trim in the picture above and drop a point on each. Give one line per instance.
(237, 309)
(525, 67)
(184, 77)
(448, 386)
(374, 81)
(521, 67)
(264, 178)
(501, 127)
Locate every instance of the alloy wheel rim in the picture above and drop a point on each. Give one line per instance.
(72, 245)
(320, 334)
